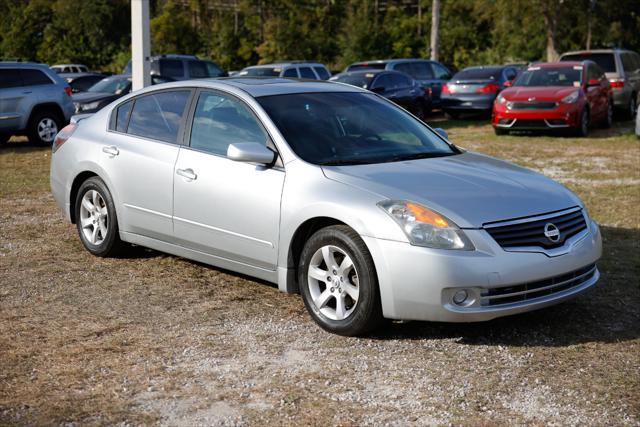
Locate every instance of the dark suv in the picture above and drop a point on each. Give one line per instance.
(182, 67)
(622, 68)
(430, 74)
(34, 101)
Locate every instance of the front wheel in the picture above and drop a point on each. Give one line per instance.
(499, 131)
(96, 219)
(338, 282)
(583, 124)
(631, 109)
(608, 119)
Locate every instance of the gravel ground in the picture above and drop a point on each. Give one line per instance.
(155, 339)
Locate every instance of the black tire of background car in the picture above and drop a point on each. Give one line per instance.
(499, 131)
(367, 315)
(631, 109)
(582, 130)
(607, 121)
(112, 245)
(32, 129)
(452, 115)
(4, 138)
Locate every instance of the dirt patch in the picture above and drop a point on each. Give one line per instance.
(155, 339)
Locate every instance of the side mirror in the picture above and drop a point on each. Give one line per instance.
(250, 152)
(508, 83)
(593, 82)
(443, 133)
(378, 89)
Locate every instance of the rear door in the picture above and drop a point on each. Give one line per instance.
(13, 100)
(597, 95)
(139, 153)
(222, 207)
(631, 65)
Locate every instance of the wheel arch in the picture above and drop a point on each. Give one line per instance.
(46, 106)
(73, 193)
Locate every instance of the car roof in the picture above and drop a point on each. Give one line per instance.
(69, 65)
(587, 52)
(387, 61)
(563, 64)
(282, 64)
(265, 86)
(24, 64)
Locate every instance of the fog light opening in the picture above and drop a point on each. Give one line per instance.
(460, 297)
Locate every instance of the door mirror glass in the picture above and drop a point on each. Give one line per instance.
(250, 152)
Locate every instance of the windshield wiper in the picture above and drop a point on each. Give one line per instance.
(345, 162)
(415, 156)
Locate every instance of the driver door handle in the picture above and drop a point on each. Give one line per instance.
(111, 150)
(189, 174)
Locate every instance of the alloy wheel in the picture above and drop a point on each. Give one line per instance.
(47, 129)
(94, 217)
(333, 282)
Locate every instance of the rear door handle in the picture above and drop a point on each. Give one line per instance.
(189, 174)
(111, 150)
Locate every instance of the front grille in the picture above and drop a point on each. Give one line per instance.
(532, 232)
(532, 290)
(533, 105)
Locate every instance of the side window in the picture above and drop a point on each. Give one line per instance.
(220, 120)
(404, 68)
(171, 68)
(401, 81)
(307, 73)
(9, 77)
(32, 77)
(290, 72)
(592, 73)
(158, 115)
(212, 69)
(197, 69)
(628, 63)
(440, 72)
(510, 73)
(122, 117)
(322, 72)
(421, 71)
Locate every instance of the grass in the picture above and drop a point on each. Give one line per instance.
(158, 339)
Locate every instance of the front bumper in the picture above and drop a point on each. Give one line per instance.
(419, 283)
(562, 116)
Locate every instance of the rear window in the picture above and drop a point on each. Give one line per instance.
(366, 66)
(171, 68)
(478, 74)
(197, 69)
(9, 77)
(417, 70)
(34, 77)
(122, 116)
(360, 80)
(606, 61)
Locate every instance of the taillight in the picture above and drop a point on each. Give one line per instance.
(488, 88)
(63, 135)
(616, 83)
(445, 88)
(68, 90)
(428, 91)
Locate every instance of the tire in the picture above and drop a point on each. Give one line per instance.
(418, 111)
(97, 228)
(349, 303)
(583, 125)
(632, 108)
(499, 131)
(452, 115)
(4, 138)
(608, 118)
(43, 127)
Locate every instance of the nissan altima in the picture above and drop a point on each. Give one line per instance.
(329, 191)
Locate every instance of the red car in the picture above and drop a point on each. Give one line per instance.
(555, 96)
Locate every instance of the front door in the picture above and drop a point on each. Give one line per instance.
(223, 207)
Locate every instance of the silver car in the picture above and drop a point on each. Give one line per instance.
(327, 190)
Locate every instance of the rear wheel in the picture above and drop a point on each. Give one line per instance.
(43, 127)
(608, 119)
(96, 219)
(4, 138)
(419, 111)
(631, 109)
(452, 115)
(338, 282)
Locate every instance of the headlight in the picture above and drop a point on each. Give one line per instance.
(500, 99)
(89, 106)
(425, 227)
(571, 98)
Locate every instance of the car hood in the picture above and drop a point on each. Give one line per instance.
(540, 93)
(86, 97)
(470, 188)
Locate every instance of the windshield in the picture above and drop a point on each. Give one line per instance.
(261, 72)
(606, 61)
(561, 76)
(351, 128)
(360, 80)
(116, 85)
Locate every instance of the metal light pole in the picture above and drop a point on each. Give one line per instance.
(140, 44)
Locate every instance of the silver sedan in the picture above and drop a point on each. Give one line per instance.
(329, 191)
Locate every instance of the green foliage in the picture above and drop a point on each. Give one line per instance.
(236, 33)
